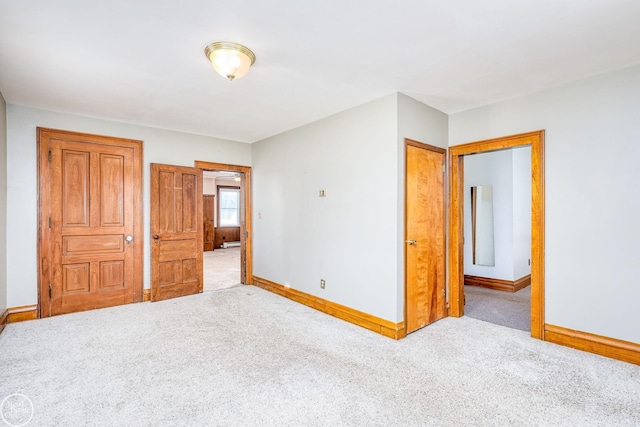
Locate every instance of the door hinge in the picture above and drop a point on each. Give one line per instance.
(49, 222)
(49, 155)
(444, 168)
(49, 290)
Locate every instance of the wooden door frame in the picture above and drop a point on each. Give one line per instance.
(456, 220)
(246, 234)
(45, 246)
(443, 151)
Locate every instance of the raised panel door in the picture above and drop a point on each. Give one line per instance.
(176, 231)
(89, 187)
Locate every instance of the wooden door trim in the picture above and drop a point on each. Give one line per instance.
(418, 144)
(245, 185)
(456, 217)
(45, 246)
(439, 150)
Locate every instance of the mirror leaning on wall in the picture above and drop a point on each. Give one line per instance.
(482, 225)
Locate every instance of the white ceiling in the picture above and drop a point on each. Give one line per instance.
(143, 62)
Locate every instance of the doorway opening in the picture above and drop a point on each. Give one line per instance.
(456, 257)
(497, 237)
(227, 260)
(222, 205)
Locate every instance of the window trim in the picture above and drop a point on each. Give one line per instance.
(218, 204)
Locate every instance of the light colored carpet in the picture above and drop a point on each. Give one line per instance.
(221, 269)
(510, 309)
(246, 357)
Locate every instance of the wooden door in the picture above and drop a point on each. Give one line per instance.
(208, 209)
(90, 221)
(425, 299)
(176, 231)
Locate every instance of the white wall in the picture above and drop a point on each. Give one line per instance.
(425, 124)
(3, 205)
(353, 238)
(521, 211)
(592, 204)
(509, 172)
(227, 182)
(495, 169)
(159, 146)
(208, 185)
(349, 238)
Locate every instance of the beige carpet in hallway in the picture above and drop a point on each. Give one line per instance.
(510, 309)
(221, 269)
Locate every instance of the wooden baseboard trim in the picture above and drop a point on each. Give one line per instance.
(22, 313)
(522, 283)
(3, 320)
(604, 346)
(375, 324)
(498, 284)
(146, 295)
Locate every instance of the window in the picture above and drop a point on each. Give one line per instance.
(229, 202)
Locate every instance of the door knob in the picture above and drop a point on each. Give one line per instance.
(129, 239)
(411, 242)
(155, 236)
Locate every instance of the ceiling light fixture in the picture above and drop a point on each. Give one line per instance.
(230, 60)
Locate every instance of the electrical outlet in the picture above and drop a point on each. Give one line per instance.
(322, 193)
(322, 283)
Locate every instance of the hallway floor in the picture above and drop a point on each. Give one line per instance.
(221, 269)
(508, 309)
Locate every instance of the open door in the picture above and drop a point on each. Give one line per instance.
(425, 297)
(176, 231)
